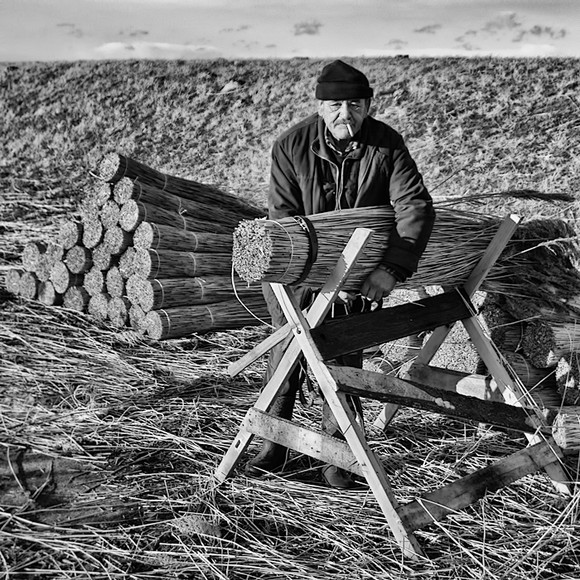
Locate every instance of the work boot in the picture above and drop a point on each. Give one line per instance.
(336, 477)
(272, 456)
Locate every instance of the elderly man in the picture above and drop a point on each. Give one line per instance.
(337, 159)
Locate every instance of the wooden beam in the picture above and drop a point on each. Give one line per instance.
(515, 393)
(373, 470)
(467, 490)
(312, 443)
(360, 331)
(390, 389)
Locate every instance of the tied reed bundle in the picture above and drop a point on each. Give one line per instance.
(113, 167)
(70, 233)
(568, 378)
(31, 254)
(102, 258)
(48, 295)
(185, 320)
(169, 293)
(277, 251)
(76, 298)
(530, 375)
(152, 236)
(28, 285)
(79, 259)
(109, 214)
(137, 318)
(118, 311)
(545, 341)
(566, 428)
(92, 230)
(135, 212)
(123, 190)
(115, 283)
(94, 281)
(127, 262)
(62, 278)
(217, 213)
(174, 264)
(116, 240)
(12, 280)
(98, 306)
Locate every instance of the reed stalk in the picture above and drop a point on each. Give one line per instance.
(566, 428)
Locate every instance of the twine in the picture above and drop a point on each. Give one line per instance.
(194, 262)
(268, 324)
(286, 231)
(158, 263)
(210, 315)
(198, 281)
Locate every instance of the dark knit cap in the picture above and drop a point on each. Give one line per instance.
(340, 81)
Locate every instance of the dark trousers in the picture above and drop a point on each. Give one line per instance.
(304, 296)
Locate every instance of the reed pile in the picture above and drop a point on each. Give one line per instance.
(138, 228)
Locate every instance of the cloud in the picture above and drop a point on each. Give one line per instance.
(72, 29)
(397, 43)
(241, 28)
(540, 32)
(311, 27)
(429, 29)
(155, 50)
(504, 21)
(134, 33)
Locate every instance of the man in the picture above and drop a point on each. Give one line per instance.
(337, 159)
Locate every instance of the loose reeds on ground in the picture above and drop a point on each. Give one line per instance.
(149, 423)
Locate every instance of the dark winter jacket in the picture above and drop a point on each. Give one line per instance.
(307, 179)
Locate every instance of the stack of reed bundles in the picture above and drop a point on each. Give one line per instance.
(145, 241)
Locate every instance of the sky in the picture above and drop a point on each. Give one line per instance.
(57, 30)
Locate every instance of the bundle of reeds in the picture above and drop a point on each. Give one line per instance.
(546, 341)
(568, 378)
(145, 231)
(183, 320)
(278, 251)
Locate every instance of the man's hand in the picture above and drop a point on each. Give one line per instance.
(378, 284)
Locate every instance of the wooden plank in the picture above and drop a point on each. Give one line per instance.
(474, 281)
(312, 443)
(360, 331)
(321, 305)
(515, 393)
(467, 490)
(345, 264)
(381, 387)
(370, 465)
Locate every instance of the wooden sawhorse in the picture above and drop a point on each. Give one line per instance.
(503, 402)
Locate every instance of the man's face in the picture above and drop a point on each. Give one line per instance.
(338, 114)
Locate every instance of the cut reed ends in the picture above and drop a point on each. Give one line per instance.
(70, 233)
(566, 428)
(98, 306)
(568, 378)
(12, 280)
(28, 285)
(76, 298)
(48, 295)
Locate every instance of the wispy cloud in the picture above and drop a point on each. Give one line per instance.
(311, 27)
(540, 32)
(71, 29)
(503, 21)
(155, 50)
(429, 29)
